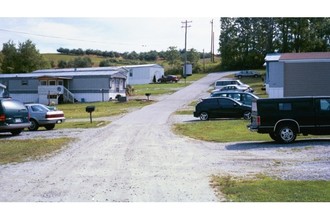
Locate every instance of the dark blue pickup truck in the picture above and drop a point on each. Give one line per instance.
(284, 118)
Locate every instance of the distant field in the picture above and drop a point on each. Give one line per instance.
(57, 57)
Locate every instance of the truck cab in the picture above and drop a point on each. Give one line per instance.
(284, 118)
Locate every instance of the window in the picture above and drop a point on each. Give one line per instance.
(43, 82)
(24, 82)
(284, 106)
(52, 83)
(131, 73)
(325, 104)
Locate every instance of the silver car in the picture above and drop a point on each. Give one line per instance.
(42, 116)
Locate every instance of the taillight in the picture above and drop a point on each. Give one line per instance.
(3, 117)
(55, 116)
(258, 120)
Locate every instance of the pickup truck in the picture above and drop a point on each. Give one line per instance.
(284, 118)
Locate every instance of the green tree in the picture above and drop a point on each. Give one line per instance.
(172, 55)
(26, 58)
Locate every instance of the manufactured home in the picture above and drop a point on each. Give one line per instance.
(144, 74)
(67, 85)
(298, 74)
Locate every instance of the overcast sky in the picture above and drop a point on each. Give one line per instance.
(112, 34)
(131, 25)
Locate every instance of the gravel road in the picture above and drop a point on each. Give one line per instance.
(138, 159)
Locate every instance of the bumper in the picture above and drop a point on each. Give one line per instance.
(11, 127)
(52, 121)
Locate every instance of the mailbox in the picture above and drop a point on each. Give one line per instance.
(90, 109)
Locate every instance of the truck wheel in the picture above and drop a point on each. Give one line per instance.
(273, 136)
(204, 116)
(286, 134)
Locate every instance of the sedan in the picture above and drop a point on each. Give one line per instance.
(221, 107)
(247, 73)
(42, 116)
(236, 88)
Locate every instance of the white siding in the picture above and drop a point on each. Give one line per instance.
(275, 92)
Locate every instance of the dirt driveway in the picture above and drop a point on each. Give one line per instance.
(138, 159)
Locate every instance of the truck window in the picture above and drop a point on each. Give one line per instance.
(284, 106)
(325, 104)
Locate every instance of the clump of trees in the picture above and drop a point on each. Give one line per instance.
(23, 58)
(244, 42)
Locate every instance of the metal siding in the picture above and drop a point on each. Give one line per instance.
(307, 79)
(89, 83)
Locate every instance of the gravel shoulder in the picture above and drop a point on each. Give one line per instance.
(138, 159)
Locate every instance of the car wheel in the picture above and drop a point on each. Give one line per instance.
(247, 115)
(286, 134)
(16, 132)
(50, 127)
(204, 116)
(34, 125)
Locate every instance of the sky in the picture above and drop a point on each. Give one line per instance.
(130, 25)
(121, 34)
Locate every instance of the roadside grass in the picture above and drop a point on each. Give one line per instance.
(17, 151)
(165, 88)
(224, 130)
(267, 189)
(82, 124)
(102, 109)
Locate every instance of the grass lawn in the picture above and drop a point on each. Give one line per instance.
(102, 109)
(17, 151)
(266, 189)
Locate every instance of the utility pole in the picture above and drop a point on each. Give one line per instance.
(212, 42)
(185, 47)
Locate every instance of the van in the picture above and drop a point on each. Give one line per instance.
(284, 118)
(14, 116)
(219, 84)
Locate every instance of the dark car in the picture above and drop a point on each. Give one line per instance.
(168, 78)
(243, 97)
(41, 115)
(247, 73)
(221, 107)
(14, 117)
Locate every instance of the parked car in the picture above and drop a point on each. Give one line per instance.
(168, 78)
(247, 73)
(221, 107)
(243, 97)
(227, 81)
(236, 88)
(42, 116)
(14, 117)
(284, 118)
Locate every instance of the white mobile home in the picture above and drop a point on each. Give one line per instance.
(144, 74)
(67, 85)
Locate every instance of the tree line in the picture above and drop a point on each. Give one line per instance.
(244, 42)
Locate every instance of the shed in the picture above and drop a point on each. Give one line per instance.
(298, 74)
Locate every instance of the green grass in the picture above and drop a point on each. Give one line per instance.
(82, 124)
(17, 151)
(267, 189)
(225, 130)
(165, 88)
(102, 109)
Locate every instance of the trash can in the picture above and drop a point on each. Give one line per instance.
(82, 99)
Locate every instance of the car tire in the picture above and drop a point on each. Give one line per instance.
(50, 127)
(16, 132)
(34, 125)
(247, 115)
(286, 134)
(204, 116)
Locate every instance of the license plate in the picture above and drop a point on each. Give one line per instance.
(18, 120)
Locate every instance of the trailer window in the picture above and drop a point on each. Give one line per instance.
(325, 104)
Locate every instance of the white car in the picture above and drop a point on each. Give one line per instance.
(42, 116)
